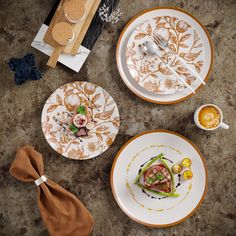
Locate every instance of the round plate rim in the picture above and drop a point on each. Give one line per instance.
(83, 159)
(206, 179)
(167, 8)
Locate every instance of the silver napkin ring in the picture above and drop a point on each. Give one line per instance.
(41, 180)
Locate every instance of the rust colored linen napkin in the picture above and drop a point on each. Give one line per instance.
(61, 211)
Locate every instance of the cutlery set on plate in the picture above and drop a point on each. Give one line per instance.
(164, 55)
(151, 48)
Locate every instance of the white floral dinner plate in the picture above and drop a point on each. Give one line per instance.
(149, 208)
(80, 120)
(147, 76)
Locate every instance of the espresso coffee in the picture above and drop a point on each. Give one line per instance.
(209, 117)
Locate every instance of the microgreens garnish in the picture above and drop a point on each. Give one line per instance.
(81, 110)
(73, 128)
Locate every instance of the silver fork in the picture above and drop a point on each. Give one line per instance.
(163, 43)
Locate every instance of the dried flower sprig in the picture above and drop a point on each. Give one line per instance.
(112, 17)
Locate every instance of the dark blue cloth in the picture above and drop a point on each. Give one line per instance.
(24, 69)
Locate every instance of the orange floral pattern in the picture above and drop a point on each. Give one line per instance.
(149, 71)
(102, 109)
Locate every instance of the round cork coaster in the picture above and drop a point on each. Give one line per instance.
(74, 10)
(63, 33)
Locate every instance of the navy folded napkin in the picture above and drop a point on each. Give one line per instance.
(24, 69)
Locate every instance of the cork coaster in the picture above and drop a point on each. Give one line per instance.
(80, 29)
(74, 10)
(63, 33)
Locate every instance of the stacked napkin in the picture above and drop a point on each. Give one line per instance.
(62, 213)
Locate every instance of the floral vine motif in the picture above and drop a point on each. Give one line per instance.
(149, 71)
(105, 16)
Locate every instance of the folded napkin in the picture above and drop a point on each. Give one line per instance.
(62, 213)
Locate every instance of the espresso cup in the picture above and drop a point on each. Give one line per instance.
(220, 124)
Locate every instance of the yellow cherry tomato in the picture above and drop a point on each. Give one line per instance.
(176, 168)
(188, 174)
(186, 162)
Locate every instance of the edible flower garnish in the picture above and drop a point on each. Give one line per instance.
(188, 174)
(176, 168)
(186, 162)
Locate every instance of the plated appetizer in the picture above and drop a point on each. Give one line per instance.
(155, 176)
(81, 122)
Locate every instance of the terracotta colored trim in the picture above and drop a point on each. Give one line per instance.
(206, 181)
(183, 11)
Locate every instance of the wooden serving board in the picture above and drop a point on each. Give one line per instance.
(80, 30)
(90, 8)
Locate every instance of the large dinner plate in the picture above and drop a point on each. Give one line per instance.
(188, 37)
(57, 116)
(151, 209)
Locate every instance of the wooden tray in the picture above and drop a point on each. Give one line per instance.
(80, 29)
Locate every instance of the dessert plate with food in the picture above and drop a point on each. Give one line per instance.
(80, 120)
(189, 53)
(159, 178)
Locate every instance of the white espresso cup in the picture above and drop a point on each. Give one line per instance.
(199, 125)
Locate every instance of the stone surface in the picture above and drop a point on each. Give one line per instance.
(21, 108)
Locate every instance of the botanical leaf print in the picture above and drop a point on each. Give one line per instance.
(68, 92)
(100, 107)
(198, 66)
(161, 25)
(59, 101)
(99, 136)
(154, 76)
(102, 128)
(164, 70)
(173, 39)
(190, 56)
(183, 45)
(116, 122)
(95, 97)
(182, 71)
(52, 108)
(149, 29)
(140, 35)
(184, 37)
(76, 153)
(157, 19)
(172, 47)
(198, 46)
(109, 141)
(105, 115)
(153, 87)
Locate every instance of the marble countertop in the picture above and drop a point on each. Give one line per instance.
(21, 108)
